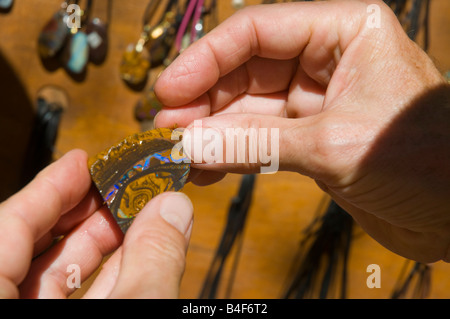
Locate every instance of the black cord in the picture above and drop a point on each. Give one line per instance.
(42, 140)
(237, 215)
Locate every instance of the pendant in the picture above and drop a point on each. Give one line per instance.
(160, 50)
(148, 107)
(5, 4)
(129, 174)
(76, 55)
(162, 38)
(53, 36)
(97, 36)
(135, 65)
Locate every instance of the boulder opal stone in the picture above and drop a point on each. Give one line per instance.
(77, 53)
(129, 174)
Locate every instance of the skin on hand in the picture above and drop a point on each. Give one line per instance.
(149, 264)
(361, 110)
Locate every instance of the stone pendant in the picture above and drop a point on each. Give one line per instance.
(147, 107)
(135, 65)
(53, 36)
(162, 40)
(6, 4)
(97, 36)
(76, 53)
(129, 174)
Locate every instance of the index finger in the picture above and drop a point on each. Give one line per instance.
(278, 31)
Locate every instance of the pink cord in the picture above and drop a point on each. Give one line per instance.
(184, 23)
(197, 15)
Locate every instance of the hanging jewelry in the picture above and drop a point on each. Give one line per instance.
(135, 61)
(138, 58)
(97, 35)
(194, 15)
(163, 35)
(54, 34)
(76, 52)
(6, 5)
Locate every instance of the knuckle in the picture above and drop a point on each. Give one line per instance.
(327, 139)
(336, 144)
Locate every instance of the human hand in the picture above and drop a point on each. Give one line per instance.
(361, 109)
(62, 201)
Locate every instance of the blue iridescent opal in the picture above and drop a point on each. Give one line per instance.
(78, 53)
(131, 173)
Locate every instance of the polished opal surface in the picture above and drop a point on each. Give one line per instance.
(78, 53)
(53, 36)
(129, 174)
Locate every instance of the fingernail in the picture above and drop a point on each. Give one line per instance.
(154, 120)
(177, 210)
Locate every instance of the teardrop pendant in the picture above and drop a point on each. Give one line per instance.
(162, 38)
(53, 36)
(97, 36)
(76, 55)
(135, 65)
(6, 4)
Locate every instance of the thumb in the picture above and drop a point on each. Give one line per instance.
(251, 143)
(154, 249)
